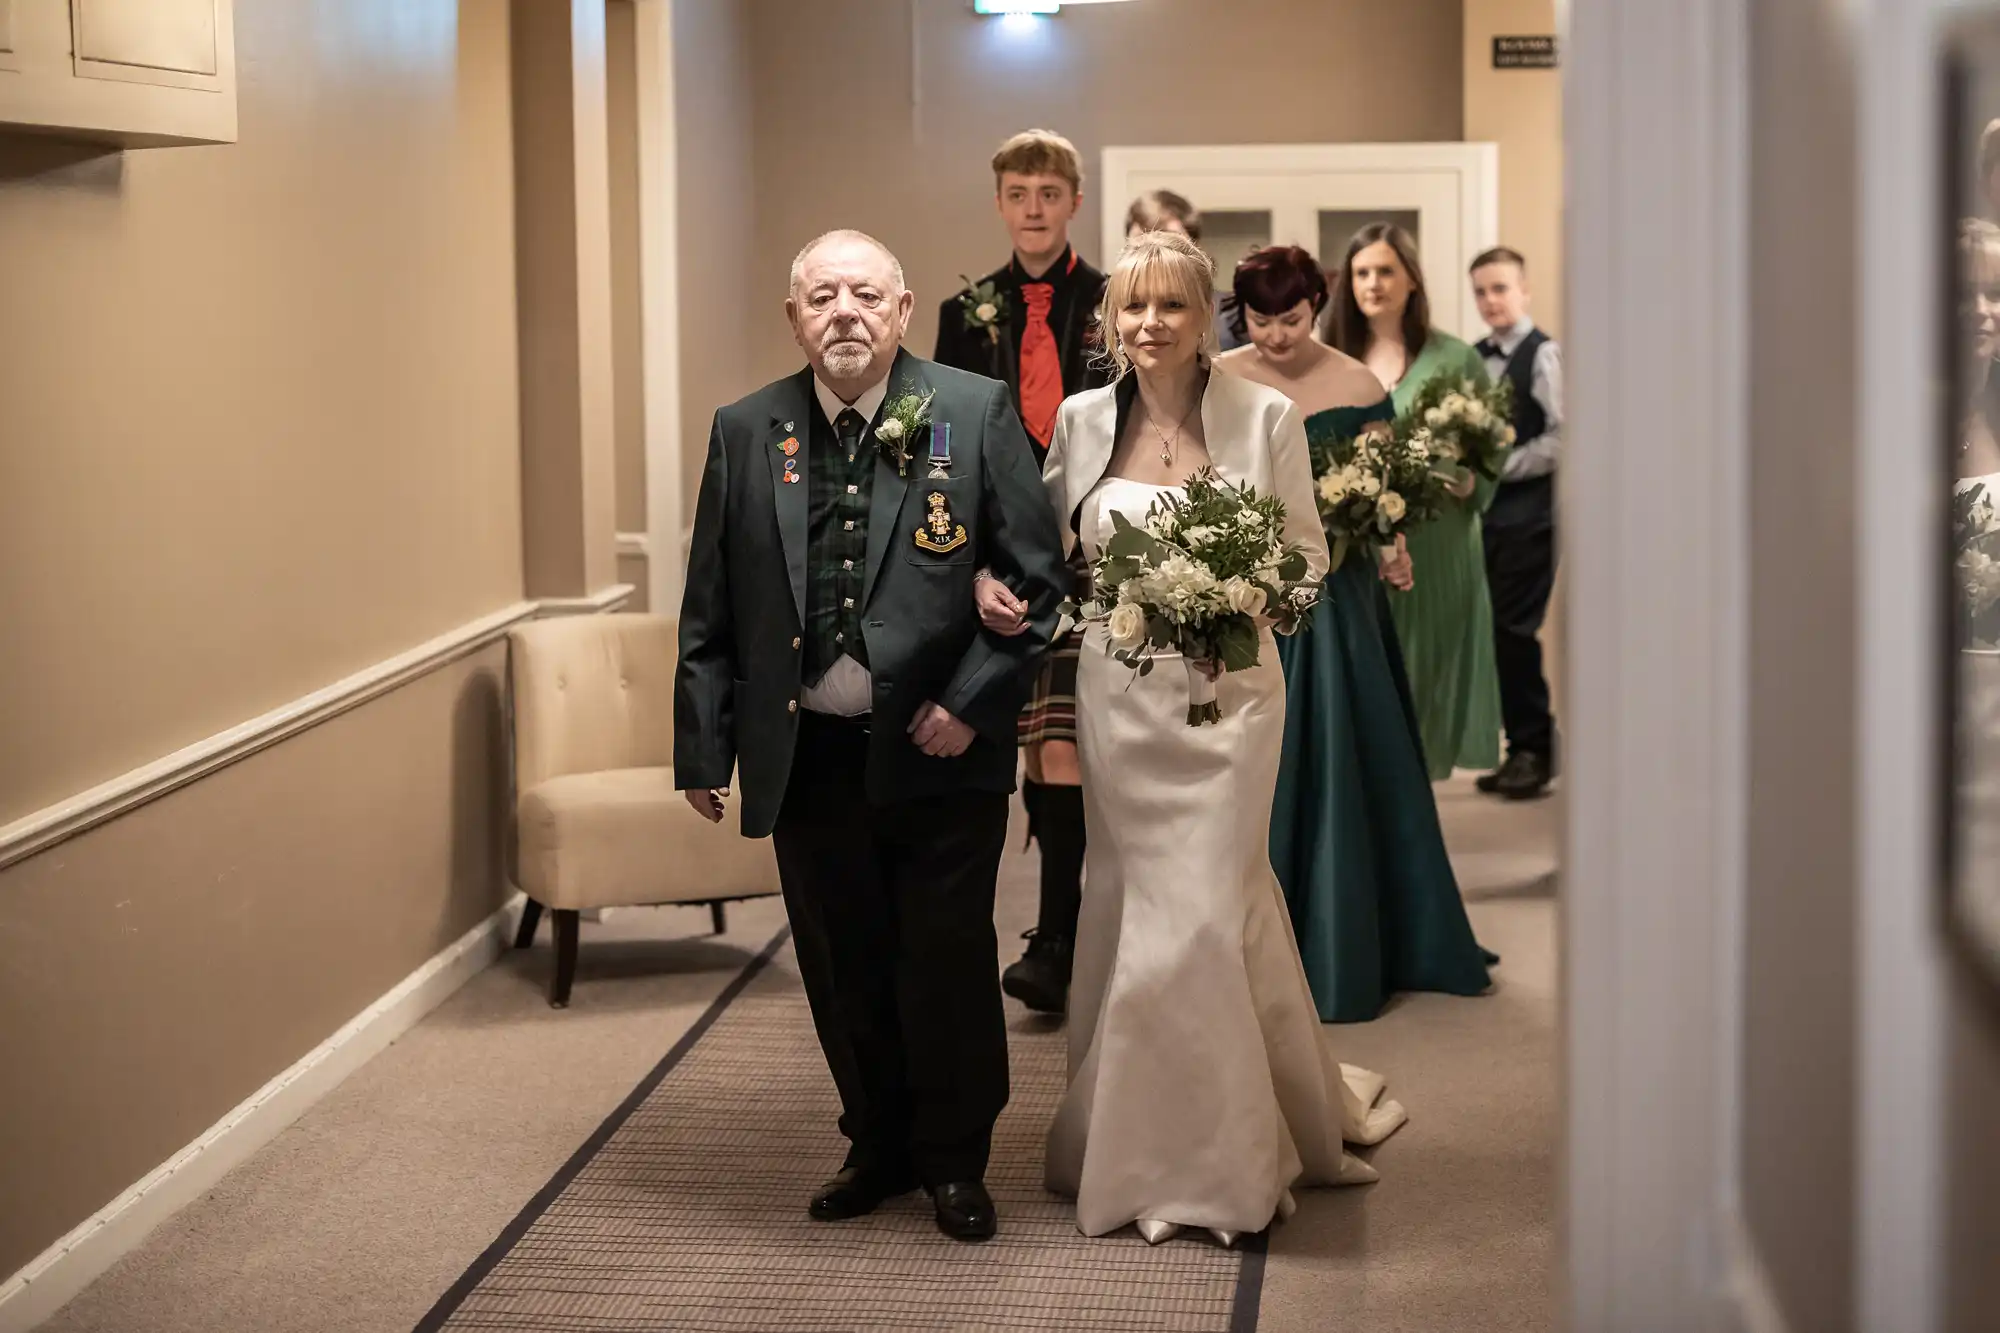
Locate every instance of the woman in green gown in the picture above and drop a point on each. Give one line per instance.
(1355, 838)
(1381, 316)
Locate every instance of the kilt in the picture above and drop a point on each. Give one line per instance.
(1051, 711)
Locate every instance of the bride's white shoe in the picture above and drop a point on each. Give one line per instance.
(1156, 1232)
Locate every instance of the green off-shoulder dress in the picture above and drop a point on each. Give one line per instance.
(1355, 837)
(1445, 622)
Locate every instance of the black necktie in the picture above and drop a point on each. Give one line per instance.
(848, 426)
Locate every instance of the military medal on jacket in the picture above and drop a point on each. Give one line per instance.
(941, 451)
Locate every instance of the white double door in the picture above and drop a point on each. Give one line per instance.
(1318, 195)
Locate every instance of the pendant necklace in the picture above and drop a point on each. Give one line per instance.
(1167, 446)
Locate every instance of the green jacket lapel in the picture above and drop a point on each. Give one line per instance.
(885, 501)
(791, 427)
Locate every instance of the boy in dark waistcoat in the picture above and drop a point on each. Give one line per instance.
(1520, 528)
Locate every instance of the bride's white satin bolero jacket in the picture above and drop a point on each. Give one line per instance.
(1256, 437)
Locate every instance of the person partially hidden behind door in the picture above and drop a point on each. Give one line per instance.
(1520, 528)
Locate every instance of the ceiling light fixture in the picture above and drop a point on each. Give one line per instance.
(1003, 7)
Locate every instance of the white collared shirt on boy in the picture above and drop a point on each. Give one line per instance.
(1537, 457)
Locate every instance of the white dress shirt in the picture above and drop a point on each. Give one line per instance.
(847, 689)
(1536, 457)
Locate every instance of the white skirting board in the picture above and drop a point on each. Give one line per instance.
(72, 1263)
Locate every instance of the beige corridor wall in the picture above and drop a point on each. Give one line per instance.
(713, 95)
(258, 431)
(257, 409)
(1521, 110)
(885, 116)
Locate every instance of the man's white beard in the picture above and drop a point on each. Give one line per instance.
(849, 361)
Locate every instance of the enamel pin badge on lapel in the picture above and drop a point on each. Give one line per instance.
(939, 533)
(790, 446)
(941, 451)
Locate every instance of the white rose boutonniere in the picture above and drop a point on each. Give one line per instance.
(902, 418)
(984, 307)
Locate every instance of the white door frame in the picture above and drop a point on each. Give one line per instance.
(1654, 514)
(659, 268)
(1129, 172)
(1904, 974)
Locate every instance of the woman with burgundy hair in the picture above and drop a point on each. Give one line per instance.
(1355, 837)
(1381, 314)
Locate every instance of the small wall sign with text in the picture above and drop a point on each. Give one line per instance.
(1524, 53)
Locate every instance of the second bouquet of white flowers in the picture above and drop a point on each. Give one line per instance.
(1200, 576)
(1464, 427)
(1372, 487)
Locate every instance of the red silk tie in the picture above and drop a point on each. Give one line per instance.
(1041, 365)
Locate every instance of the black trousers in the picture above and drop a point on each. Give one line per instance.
(1520, 574)
(892, 914)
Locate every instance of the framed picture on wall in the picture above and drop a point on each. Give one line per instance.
(1968, 383)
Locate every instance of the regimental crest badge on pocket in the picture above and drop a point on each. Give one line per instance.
(940, 533)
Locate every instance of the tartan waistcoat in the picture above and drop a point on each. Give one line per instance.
(836, 546)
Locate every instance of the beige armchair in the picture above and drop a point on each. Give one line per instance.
(597, 822)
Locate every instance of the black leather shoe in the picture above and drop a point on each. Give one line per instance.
(856, 1191)
(965, 1211)
(1040, 979)
(1529, 779)
(1511, 771)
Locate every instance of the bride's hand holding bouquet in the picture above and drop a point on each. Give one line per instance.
(1203, 575)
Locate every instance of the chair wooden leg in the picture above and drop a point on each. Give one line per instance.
(718, 914)
(565, 927)
(531, 916)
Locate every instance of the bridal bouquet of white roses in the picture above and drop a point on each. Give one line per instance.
(1372, 487)
(1199, 576)
(1462, 426)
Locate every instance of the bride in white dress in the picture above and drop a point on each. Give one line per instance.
(1202, 1086)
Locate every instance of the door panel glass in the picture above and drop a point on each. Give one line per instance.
(1338, 225)
(1230, 234)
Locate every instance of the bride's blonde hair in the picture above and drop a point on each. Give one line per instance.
(1159, 264)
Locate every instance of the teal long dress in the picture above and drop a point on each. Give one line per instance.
(1445, 622)
(1355, 838)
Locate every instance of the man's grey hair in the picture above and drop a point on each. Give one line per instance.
(844, 234)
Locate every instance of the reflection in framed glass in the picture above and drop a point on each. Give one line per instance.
(1968, 379)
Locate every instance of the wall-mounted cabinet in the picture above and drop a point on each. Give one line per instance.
(134, 73)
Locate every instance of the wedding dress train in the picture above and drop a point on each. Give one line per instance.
(1202, 1085)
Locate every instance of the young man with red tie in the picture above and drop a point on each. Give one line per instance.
(1033, 325)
